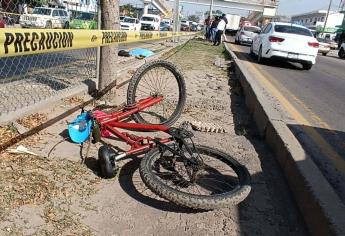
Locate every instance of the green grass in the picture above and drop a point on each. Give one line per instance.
(196, 54)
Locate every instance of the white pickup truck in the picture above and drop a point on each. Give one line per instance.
(150, 22)
(46, 17)
(129, 23)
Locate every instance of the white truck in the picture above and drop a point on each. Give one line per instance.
(167, 21)
(46, 17)
(150, 22)
(130, 23)
(233, 23)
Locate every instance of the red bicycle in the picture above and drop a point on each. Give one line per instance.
(173, 167)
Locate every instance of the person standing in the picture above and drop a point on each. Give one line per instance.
(213, 30)
(220, 31)
(225, 19)
(2, 21)
(207, 24)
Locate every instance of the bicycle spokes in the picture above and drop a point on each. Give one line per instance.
(194, 173)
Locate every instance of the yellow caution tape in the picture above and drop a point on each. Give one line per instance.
(16, 42)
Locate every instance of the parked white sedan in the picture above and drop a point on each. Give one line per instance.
(246, 34)
(288, 42)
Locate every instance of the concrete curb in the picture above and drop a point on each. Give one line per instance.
(322, 209)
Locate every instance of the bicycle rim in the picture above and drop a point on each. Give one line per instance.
(159, 79)
(222, 181)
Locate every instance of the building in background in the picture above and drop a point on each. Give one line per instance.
(281, 18)
(315, 21)
(262, 18)
(80, 5)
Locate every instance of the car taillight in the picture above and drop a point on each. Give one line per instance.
(313, 44)
(274, 39)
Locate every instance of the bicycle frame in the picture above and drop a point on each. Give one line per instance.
(138, 144)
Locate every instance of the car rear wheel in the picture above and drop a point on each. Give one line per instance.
(307, 66)
(251, 51)
(260, 58)
(324, 54)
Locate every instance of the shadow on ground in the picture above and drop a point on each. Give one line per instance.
(132, 184)
(272, 175)
(309, 137)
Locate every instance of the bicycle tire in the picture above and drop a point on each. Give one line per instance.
(202, 202)
(140, 73)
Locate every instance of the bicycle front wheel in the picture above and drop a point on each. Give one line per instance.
(220, 181)
(158, 78)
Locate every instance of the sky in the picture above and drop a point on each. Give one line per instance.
(286, 7)
(293, 7)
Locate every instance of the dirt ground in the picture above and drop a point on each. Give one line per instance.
(53, 194)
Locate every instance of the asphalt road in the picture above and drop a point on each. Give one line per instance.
(319, 96)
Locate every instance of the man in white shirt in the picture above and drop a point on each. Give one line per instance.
(221, 28)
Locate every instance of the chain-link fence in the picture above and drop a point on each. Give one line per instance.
(28, 80)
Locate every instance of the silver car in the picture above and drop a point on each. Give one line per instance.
(246, 34)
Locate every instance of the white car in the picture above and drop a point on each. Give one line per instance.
(246, 34)
(341, 52)
(324, 47)
(286, 41)
(45, 17)
(129, 23)
(150, 22)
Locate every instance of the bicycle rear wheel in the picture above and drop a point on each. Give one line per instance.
(158, 78)
(220, 182)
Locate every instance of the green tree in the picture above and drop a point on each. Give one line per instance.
(128, 10)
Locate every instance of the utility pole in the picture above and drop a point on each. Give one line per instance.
(329, 8)
(341, 5)
(108, 56)
(176, 18)
(211, 9)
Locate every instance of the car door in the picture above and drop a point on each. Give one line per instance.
(56, 19)
(63, 15)
(237, 37)
(62, 18)
(264, 38)
(257, 40)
